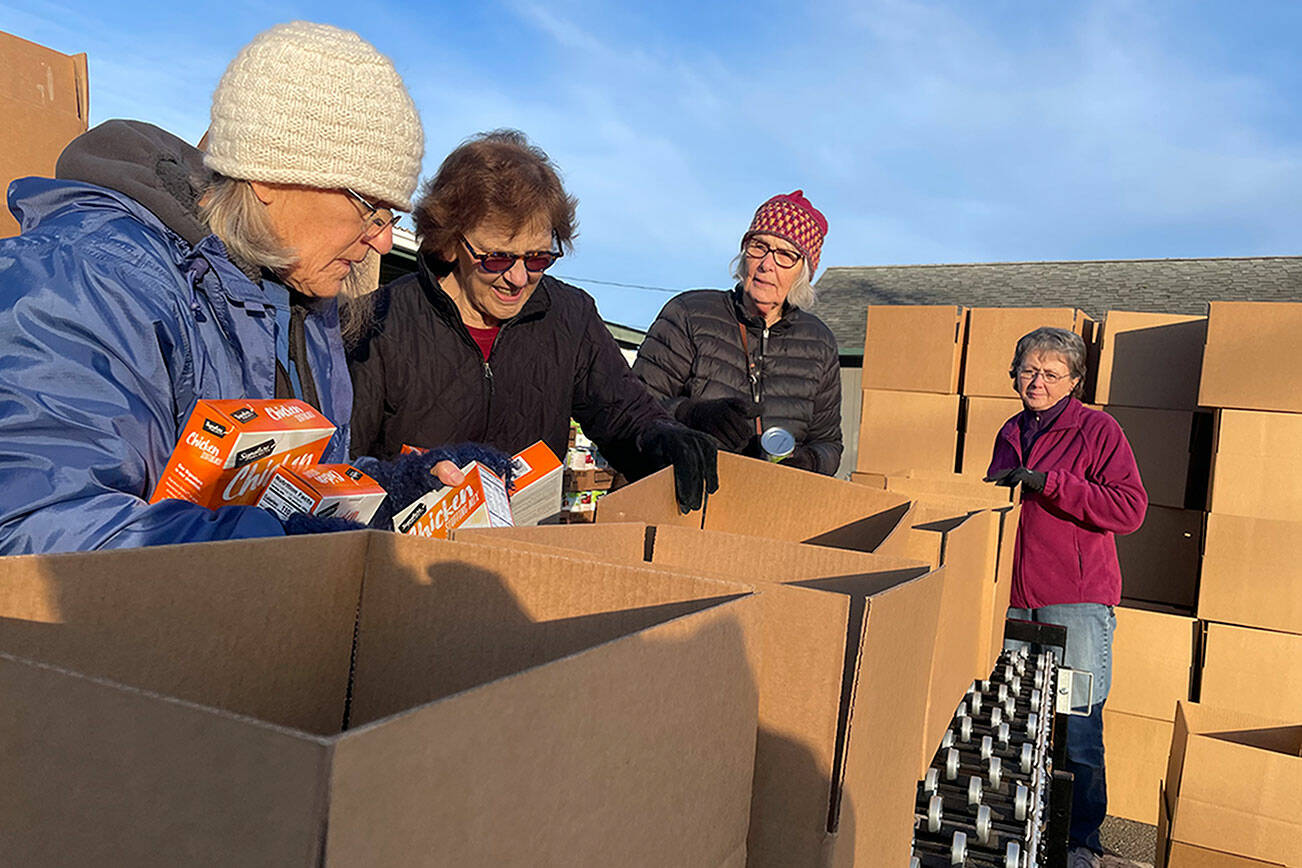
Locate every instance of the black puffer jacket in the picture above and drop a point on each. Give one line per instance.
(695, 350)
(420, 379)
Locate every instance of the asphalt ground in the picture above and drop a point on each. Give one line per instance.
(1128, 843)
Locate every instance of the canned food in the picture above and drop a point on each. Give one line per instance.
(778, 443)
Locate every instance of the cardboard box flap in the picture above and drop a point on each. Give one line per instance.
(929, 336)
(759, 498)
(1151, 359)
(886, 723)
(155, 766)
(1152, 662)
(626, 541)
(272, 639)
(434, 626)
(43, 78)
(1240, 832)
(1242, 363)
(648, 758)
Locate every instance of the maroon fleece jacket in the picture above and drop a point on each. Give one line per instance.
(1066, 551)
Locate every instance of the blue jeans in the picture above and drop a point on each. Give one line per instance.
(1089, 647)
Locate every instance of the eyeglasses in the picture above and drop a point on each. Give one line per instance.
(375, 219)
(784, 258)
(499, 263)
(1049, 377)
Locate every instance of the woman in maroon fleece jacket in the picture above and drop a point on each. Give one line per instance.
(1080, 487)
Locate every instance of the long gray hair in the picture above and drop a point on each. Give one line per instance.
(235, 214)
(1062, 342)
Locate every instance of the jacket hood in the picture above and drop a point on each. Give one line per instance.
(154, 168)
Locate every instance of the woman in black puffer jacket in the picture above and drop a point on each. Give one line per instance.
(734, 363)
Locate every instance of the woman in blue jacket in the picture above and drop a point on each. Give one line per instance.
(150, 275)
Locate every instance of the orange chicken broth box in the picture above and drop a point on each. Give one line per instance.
(338, 490)
(229, 449)
(479, 501)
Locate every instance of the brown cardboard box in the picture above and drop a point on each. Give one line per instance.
(847, 645)
(44, 100)
(1159, 562)
(196, 704)
(992, 335)
(1173, 451)
(907, 431)
(1152, 664)
(1150, 360)
(945, 487)
(1252, 573)
(758, 498)
(1257, 466)
(982, 420)
(1256, 671)
(1233, 790)
(1246, 361)
(1136, 750)
(914, 348)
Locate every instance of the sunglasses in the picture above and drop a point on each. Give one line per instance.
(499, 263)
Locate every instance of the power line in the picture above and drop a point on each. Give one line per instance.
(583, 280)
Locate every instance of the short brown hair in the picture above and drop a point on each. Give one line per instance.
(495, 176)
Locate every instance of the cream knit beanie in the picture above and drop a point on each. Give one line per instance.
(311, 104)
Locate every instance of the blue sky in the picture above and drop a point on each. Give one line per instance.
(926, 131)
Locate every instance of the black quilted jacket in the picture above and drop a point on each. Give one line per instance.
(420, 379)
(695, 350)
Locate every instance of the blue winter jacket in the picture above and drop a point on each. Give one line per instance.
(112, 326)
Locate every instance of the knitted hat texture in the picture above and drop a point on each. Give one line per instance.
(311, 104)
(793, 218)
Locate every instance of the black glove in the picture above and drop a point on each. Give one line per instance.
(731, 421)
(694, 457)
(1030, 480)
(803, 458)
(304, 522)
(407, 478)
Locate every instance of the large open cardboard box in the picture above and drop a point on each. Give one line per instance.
(44, 100)
(914, 348)
(907, 430)
(1246, 360)
(847, 644)
(374, 699)
(1252, 573)
(1150, 360)
(1233, 791)
(992, 335)
(1152, 663)
(758, 498)
(1257, 465)
(1256, 671)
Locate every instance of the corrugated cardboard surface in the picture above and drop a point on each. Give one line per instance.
(1136, 750)
(1164, 445)
(914, 348)
(1159, 562)
(758, 498)
(968, 545)
(44, 101)
(1252, 573)
(982, 420)
(902, 431)
(994, 612)
(1256, 671)
(992, 335)
(1234, 785)
(569, 707)
(1257, 468)
(1150, 360)
(944, 488)
(1245, 364)
(1152, 663)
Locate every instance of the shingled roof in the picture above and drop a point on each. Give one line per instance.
(1163, 285)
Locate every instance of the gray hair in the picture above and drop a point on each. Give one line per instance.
(1062, 342)
(802, 293)
(236, 215)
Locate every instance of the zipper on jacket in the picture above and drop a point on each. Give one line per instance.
(764, 348)
(488, 405)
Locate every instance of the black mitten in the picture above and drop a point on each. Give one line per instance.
(693, 455)
(305, 522)
(731, 421)
(407, 478)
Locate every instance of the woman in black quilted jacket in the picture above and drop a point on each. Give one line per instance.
(734, 363)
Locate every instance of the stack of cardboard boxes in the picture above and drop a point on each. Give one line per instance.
(1251, 591)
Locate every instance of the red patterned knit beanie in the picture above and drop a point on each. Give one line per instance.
(793, 218)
